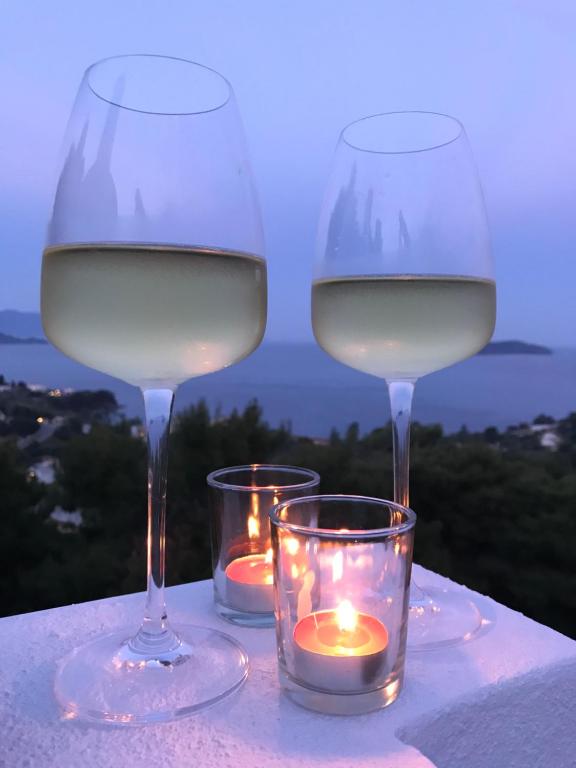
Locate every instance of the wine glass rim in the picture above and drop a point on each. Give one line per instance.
(181, 113)
(435, 145)
(339, 533)
(213, 479)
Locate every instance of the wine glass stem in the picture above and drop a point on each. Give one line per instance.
(155, 633)
(401, 393)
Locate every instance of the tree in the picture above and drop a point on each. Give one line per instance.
(543, 419)
(495, 510)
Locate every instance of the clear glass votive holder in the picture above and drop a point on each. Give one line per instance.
(342, 584)
(241, 501)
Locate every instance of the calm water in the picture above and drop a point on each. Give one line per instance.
(300, 384)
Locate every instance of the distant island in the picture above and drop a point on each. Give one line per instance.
(22, 325)
(5, 338)
(514, 348)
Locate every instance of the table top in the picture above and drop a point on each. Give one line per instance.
(479, 704)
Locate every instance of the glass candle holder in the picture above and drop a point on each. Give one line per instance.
(342, 581)
(242, 498)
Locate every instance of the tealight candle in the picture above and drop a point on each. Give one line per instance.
(249, 583)
(341, 584)
(340, 650)
(242, 498)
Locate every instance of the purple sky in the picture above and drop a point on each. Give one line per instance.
(301, 70)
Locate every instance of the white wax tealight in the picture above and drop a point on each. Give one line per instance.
(340, 650)
(249, 584)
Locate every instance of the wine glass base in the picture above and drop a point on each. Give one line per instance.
(443, 618)
(105, 681)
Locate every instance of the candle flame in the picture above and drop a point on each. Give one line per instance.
(347, 616)
(268, 556)
(337, 566)
(253, 527)
(254, 519)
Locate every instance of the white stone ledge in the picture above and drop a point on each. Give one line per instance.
(504, 700)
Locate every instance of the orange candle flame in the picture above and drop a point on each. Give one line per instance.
(254, 520)
(347, 616)
(253, 527)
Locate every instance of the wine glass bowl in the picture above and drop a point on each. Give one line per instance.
(154, 273)
(403, 273)
(403, 283)
(155, 240)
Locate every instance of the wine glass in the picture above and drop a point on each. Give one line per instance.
(153, 273)
(404, 286)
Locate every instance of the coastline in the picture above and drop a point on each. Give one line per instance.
(300, 384)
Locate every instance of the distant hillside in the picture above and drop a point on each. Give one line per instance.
(5, 338)
(23, 325)
(514, 348)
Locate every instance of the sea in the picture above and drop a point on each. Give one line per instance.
(299, 385)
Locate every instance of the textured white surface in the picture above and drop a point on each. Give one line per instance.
(504, 700)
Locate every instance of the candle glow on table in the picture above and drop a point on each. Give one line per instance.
(249, 583)
(340, 650)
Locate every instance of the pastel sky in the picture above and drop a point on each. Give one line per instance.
(301, 70)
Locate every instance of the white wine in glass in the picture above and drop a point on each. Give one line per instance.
(402, 326)
(153, 314)
(404, 287)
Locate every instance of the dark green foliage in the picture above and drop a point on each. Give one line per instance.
(22, 541)
(23, 425)
(495, 510)
(197, 447)
(101, 402)
(543, 419)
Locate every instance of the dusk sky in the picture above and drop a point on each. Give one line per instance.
(301, 70)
